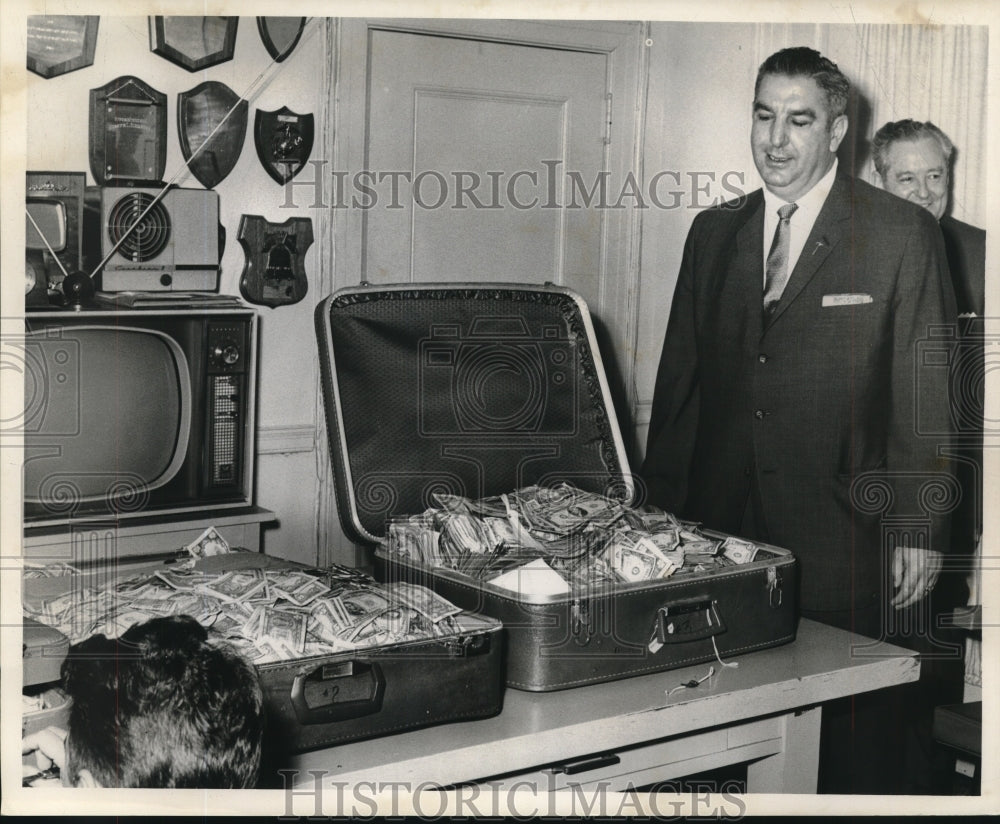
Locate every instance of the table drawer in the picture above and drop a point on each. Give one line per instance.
(617, 770)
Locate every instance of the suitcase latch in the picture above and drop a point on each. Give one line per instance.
(773, 587)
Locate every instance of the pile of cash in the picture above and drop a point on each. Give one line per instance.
(269, 614)
(587, 538)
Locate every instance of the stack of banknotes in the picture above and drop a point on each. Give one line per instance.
(587, 538)
(269, 614)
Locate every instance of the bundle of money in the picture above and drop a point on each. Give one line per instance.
(589, 539)
(269, 614)
(635, 556)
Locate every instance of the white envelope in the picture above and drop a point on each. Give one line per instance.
(536, 578)
(846, 300)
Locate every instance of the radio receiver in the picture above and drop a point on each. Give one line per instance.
(166, 244)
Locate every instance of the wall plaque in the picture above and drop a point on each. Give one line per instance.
(273, 274)
(214, 113)
(284, 141)
(128, 132)
(193, 42)
(280, 35)
(60, 43)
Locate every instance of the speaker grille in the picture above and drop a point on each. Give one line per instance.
(152, 234)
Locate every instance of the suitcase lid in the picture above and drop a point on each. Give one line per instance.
(469, 389)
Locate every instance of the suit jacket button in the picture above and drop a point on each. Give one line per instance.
(762, 358)
(759, 414)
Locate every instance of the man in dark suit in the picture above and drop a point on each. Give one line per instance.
(789, 406)
(914, 162)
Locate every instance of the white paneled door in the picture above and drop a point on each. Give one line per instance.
(483, 157)
(487, 151)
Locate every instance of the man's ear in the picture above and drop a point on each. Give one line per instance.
(86, 780)
(838, 129)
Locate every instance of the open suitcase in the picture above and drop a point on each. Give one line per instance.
(311, 700)
(477, 390)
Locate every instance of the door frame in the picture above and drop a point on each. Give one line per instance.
(623, 43)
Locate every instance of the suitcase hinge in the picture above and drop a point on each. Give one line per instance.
(774, 587)
(580, 622)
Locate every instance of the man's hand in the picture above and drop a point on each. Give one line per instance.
(914, 574)
(49, 747)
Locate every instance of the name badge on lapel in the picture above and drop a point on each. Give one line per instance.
(846, 300)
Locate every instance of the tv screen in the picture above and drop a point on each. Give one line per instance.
(107, 415)
(45, 218)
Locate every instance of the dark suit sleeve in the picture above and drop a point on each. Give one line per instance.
(920, 422)
(674, 417)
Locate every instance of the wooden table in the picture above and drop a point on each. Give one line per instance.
(630, 732)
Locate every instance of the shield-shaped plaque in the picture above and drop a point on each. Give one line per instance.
(61, 43)
(280, 35)
(212, 124)
(128, 132)
(193, 42)
(284, 141)
(273, 274)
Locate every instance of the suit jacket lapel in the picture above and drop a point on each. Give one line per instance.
(748, 263)
(827, 232)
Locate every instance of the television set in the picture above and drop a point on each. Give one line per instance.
(54, 203)
(45, 233)
(131, 413)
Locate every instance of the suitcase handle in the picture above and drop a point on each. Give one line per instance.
(314, 694)
(690, 620)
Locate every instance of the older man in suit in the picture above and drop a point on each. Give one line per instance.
(914, 161)
(789, 406)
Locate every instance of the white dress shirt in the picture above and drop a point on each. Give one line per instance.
(802, 220)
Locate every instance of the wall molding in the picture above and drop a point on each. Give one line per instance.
(280, 440)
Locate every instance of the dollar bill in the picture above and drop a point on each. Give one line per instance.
(227, 625)
(308, 590)
(180, 579)
(286, 580)
(363, 603)
(425, 601)
(153, 605)
(739, 551)
(331, 618)
(633, 565)
(702, 546)
(284, 628)
(666, 540)
(236, 585)
(208, 544)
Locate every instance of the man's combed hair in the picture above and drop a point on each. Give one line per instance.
(161, 706)
(907, 130)
(801, 61)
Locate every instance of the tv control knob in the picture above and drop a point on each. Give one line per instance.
(228, 353)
